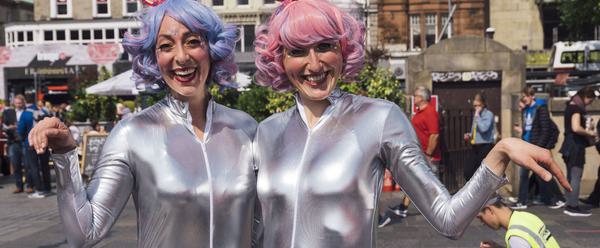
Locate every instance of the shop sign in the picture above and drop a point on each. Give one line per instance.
(467, 76)
(48, 72)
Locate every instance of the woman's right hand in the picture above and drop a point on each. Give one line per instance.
(51, 133)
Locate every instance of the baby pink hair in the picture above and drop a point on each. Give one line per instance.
(301, 24)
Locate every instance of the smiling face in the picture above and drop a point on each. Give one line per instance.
(314, 70)
(183, 59)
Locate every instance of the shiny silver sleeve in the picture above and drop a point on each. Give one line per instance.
(89, 213)
(449, 215)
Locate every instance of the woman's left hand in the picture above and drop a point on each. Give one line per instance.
(527, 156)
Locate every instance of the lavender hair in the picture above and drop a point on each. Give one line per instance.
(199, 19)
(300, 24)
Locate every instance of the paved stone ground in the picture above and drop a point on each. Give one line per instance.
(35, 223)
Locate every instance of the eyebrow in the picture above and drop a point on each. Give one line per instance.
(185, 35)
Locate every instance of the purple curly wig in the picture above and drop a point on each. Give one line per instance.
(198, 19)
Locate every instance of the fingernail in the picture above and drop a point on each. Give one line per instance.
(548, 177)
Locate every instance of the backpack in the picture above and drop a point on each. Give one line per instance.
(553, 135)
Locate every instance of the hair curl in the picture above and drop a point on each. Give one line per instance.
(199, 19)
(301, 24)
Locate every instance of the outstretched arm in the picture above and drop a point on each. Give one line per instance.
(450, 215)
(87, 213)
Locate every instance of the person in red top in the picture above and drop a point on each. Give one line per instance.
(427, 126)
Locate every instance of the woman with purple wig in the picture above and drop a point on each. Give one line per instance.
(174, 158)
(321, 163)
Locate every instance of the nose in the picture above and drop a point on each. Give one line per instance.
(314, 63)
(181, 56)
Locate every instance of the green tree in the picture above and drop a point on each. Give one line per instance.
(579, 17)
(261, 102)
(91, 107)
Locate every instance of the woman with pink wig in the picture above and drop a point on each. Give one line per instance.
(321, 163)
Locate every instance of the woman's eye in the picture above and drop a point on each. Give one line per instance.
(297, 52)
(164, 47)
(195, 42)
(324, 47)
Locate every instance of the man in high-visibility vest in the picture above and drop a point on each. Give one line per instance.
(523, 230)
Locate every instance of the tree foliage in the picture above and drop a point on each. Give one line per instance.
(580, 17)
(261, 102)
(88, 107)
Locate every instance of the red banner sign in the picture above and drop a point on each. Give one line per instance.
(103, 53)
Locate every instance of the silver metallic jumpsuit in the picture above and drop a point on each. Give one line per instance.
(187, 192)
(320, 187)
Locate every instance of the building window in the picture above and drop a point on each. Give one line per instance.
(60, 35)
(61, 8)
(20, 37)
(269, 1)
(86, 35)
(217, 2)
(110, 34)
(29, 36)
(430, 29)
(122, 32)
(74, 34)
(247, 36)
(101, 8)
(130, 7)
(48, 35)
(242, 2)
(98, 34)
(415, 32)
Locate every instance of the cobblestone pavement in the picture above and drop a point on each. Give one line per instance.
(28, 222)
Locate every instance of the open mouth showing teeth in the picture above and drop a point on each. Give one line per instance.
(184, 75)
(315, 77)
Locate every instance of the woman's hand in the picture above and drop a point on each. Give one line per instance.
(527, 156)
(51, 133)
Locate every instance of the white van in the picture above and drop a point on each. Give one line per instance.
(575, 56)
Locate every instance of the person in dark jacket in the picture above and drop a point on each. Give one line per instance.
(535, 129)
(10, 120)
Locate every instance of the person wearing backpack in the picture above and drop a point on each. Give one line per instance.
(538, 129)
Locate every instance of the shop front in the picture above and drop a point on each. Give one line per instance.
(51, 72)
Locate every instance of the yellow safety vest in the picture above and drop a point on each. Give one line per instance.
(529, 227)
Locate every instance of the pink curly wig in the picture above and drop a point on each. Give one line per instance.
(300, 24)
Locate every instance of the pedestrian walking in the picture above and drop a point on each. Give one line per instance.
(36, 164)
(427, 127)
(577, 138)
(10, 121)
(538, 129)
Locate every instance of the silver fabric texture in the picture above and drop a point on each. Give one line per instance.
(187, 192)
(320, 187)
